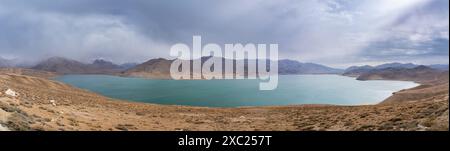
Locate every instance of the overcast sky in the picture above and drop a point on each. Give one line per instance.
(337, 33)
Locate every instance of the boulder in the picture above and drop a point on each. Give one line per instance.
(11, 93)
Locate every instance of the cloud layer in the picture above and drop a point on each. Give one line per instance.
(333, 32)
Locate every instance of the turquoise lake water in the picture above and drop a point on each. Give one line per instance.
(292, 90)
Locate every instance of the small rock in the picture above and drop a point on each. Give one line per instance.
(53, 102)
(140, 113)
(11, 93)
(421, 127)
(125, 127)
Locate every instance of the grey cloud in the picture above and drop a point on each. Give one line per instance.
(323, 31)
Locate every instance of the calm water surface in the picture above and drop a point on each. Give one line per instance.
(292, 89)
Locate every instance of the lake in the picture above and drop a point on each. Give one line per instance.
(292, 90)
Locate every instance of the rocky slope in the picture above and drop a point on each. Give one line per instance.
(418, 74)
(154, 68)
(356, 71)
(28, 72)
(433, 82)
(41, 104)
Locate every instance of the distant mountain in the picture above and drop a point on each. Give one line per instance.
(62, 66)
(103, 64)
(5, 63)
(358, 70)
(355, 71)
(295, 67)
(439, 66)
(67, 66)
(160, 68)
(418, 74)
(127, 66)
(154, 68)
(396, 65)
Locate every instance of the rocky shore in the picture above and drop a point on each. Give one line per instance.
(29, 102)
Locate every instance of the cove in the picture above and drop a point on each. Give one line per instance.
(292, 90)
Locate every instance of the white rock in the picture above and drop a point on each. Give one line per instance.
(10, 92)
(53, 102)
(2, 128)
(421, 127)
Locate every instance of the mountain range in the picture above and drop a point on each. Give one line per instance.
(160, 68)
(295, 67)
(68, 66)
(422, 74)
(356, 71)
